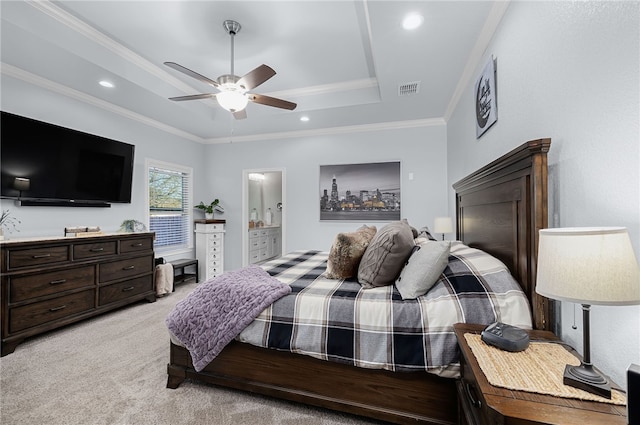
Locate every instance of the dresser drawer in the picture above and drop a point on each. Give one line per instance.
(254, 256)
(37, 256)
(125, 268)
(135, 245)
(207, 228)
(473, 407)
(35, 314)
(25, 287)
(120, 291)
(92, 250)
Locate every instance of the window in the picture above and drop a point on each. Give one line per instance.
(170, 205)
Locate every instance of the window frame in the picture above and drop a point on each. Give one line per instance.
(172, 249)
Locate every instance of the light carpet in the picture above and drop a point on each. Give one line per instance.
(112, 370)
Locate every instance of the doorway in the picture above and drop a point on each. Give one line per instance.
(263, 214)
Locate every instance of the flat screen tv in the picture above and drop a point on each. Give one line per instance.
(45, 164)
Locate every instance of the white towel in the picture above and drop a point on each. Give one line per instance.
(164, 279)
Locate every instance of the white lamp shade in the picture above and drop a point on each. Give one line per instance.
(231, 100)
(595, 266)
(443, 225)
(21, 183)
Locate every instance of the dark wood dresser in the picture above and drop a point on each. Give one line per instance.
(48, 283)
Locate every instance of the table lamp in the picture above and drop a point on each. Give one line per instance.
(590, 266)
(443, 225)
(21, 184)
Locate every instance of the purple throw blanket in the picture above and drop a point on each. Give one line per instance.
(219, 309)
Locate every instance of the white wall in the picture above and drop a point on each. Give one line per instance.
(422, 151)
(570, 71)
(34, 102)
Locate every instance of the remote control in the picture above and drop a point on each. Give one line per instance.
(506, 337)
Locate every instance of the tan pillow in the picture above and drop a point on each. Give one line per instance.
(386, 254)
(423, 269)
(346, 252)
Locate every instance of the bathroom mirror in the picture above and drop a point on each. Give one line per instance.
(263, 210)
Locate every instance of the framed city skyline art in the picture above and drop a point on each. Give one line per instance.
(360, 192)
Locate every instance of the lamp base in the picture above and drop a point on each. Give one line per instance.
(587, 378)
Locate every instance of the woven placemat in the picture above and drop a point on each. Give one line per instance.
(538, 369)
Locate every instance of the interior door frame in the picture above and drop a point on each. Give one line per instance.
(245, 210)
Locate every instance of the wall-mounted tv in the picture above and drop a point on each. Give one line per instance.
(45, 164)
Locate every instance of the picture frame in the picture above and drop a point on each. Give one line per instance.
(366, 192)
(486, 104)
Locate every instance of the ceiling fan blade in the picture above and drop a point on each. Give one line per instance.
(271, 101)
(256, 77)
(191, 73)
(193, 97)
(240, 115)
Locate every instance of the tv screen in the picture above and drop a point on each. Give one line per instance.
(53, 163)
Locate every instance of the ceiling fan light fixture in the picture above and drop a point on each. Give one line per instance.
(232, 100)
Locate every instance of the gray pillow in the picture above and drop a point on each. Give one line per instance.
(423, 269)
(346, 252)
(386, 254)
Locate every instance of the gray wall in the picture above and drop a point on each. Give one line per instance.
(24, 99)
(422, 151)
(569, 71)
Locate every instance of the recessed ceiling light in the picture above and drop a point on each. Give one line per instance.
(412, 21)
(105, 83)
(304, 118)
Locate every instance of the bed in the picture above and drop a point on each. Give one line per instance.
(500, 209)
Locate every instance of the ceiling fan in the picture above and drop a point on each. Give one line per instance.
(233, 90)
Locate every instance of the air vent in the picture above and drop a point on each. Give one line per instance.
(408, 89)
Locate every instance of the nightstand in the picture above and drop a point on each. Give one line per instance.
(481, 403)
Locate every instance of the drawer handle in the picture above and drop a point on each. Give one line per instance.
(475, 402)
(96, 249)
(131, 288)
(57, 308)
(129, 268)
(136, 245)
(57, 282)
(41, 256)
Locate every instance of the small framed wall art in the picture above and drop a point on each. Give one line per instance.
(486, 99)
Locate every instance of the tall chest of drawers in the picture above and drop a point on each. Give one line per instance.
(210, 248)
(49, 283)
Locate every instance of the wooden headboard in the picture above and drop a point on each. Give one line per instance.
(500, 209)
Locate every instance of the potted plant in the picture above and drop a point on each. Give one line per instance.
(131, 225)
(208, 209)
(7, 221)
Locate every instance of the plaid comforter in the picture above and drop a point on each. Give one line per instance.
(338, 320)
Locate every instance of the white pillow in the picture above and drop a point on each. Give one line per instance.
(423, 269)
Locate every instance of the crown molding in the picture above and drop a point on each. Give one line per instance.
(363, 83)
(36, 80)
(328, 131)
(103, 40)
(18, 73)
(81, 27)
(488, 30)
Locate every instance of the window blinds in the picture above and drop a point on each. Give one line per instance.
(170, 207)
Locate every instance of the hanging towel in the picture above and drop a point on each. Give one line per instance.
(164, 279)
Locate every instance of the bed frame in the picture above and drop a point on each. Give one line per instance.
(500, 209)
